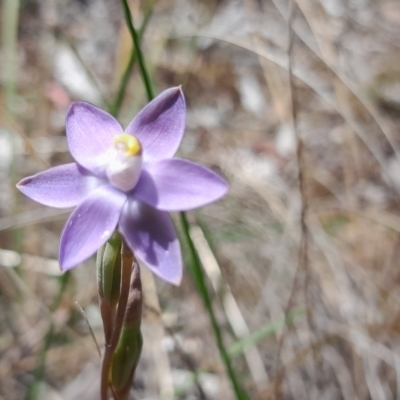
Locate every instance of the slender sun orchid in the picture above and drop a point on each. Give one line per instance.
(126, 180)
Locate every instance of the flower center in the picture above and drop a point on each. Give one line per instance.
(124, 162)
(129, 144)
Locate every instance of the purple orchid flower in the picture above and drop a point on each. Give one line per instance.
(126, 180)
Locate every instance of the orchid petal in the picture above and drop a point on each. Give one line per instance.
(160, 125)
(90, 225)
(90, 133)
(62, 186)
(151, 236)
(178, 185)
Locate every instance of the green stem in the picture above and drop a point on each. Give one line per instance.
(119, 97)
(197, 271)
(136, 42)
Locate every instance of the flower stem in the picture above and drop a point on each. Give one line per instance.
(116, 106)
(136, 42)
(127, 260)
(197, 272)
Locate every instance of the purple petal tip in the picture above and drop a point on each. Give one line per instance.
(160, 125)
(177, 282)
(21, 184)
(179, 185)
(64, 267)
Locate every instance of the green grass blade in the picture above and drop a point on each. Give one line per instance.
(199, 279)
(264, 332)
(119, 97)
(136, 41)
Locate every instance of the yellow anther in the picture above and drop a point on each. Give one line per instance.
(129, 144)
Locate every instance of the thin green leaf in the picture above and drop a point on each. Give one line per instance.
(136, 41)
(264, 332)
(119, 97)
(196, 271)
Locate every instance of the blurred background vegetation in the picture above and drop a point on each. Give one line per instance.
(300, 259)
